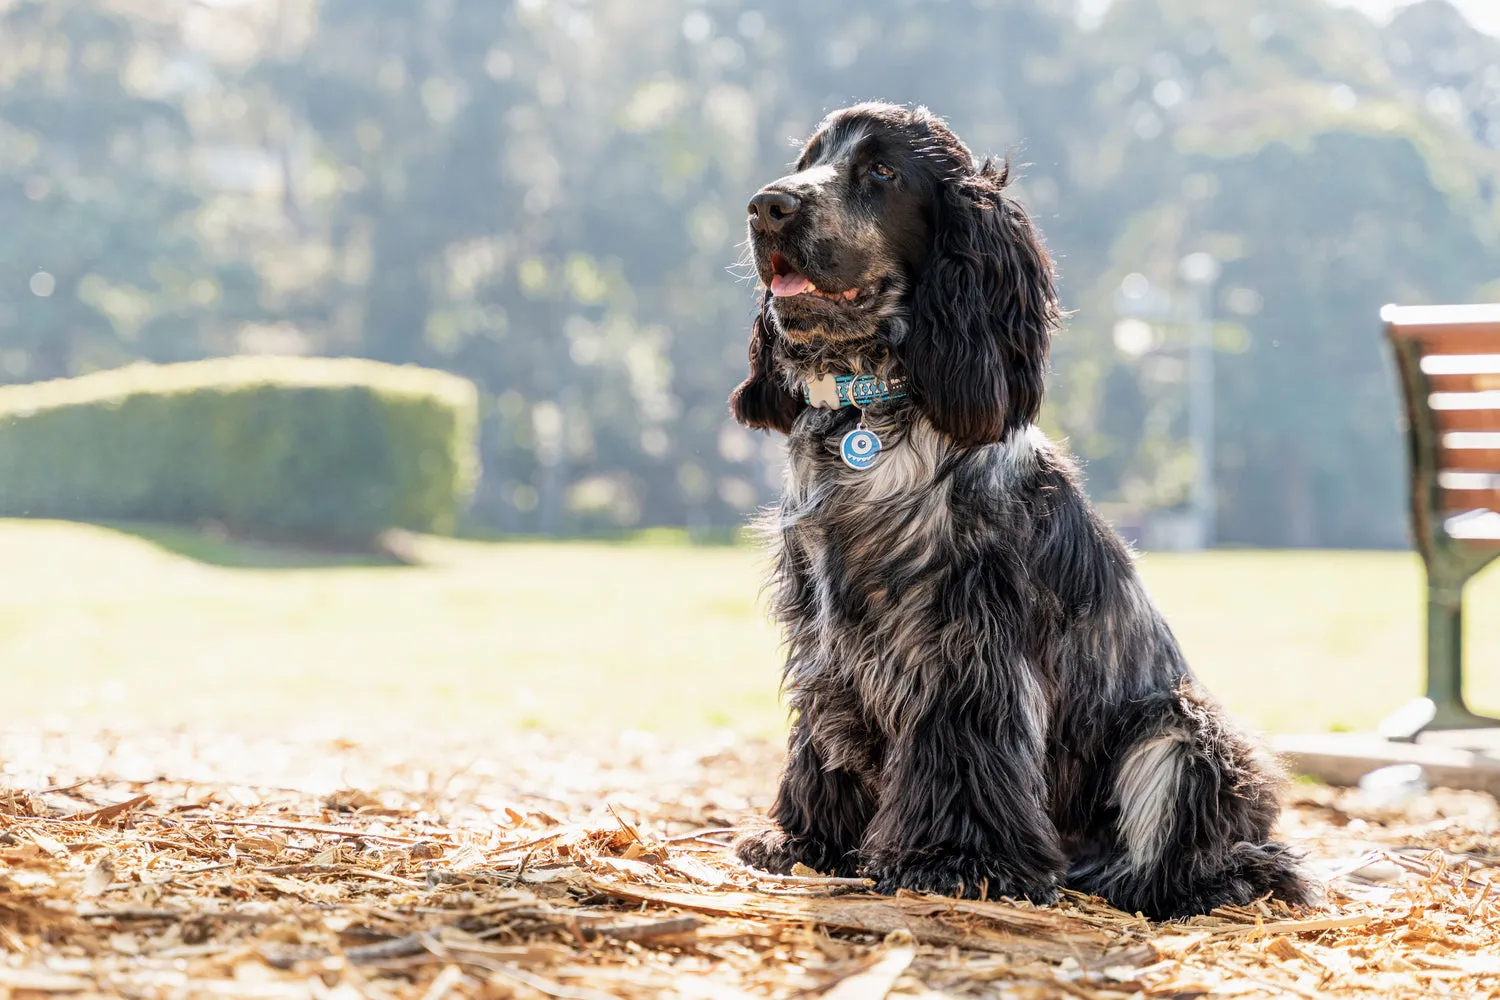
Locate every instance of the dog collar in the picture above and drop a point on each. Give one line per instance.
(832, 392)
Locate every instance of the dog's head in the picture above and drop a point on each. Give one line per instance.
(890, 250)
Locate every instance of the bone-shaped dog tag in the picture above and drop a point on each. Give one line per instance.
(823, 392)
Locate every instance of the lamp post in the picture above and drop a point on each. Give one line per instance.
(1201, 271)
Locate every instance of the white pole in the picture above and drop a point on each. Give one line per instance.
(1201, 419)
(1201, 271)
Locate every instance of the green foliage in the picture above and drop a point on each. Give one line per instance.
(102, 251)
(330, 449)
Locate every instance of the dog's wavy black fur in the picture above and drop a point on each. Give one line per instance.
(986, 701)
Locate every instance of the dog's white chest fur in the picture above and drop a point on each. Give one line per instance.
(909, 455)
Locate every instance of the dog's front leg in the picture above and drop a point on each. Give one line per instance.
(820, 814)
(962, 805)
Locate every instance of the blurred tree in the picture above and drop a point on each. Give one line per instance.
(547, 196)
(1281, 146)
(98, 244)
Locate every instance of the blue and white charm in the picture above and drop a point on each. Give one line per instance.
(860, 448)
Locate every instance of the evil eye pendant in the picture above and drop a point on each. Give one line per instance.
(860, 448)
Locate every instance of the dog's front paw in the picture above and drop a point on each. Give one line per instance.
(772, 850)
(966, 878)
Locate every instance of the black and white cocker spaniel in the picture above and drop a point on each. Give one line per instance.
(986, 701)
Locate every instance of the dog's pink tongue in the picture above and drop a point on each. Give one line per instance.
(790, 284)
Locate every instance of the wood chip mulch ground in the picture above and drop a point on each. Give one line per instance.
(174, 866)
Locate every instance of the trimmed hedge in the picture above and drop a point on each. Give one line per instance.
(334, 449)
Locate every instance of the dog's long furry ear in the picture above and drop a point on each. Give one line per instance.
(762, 400)
(985, 306)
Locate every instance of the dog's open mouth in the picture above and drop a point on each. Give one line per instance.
(787, 281)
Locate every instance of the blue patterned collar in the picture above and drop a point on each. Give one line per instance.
(832, 392)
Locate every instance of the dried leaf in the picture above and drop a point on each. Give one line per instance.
(42, 981)
(690, 867)
(425, 850)
(109, 814)
(99, 878)
(328, 856)
(875, 982)
(51, 845)
(631, 869)
(351, 800)
(450, 977)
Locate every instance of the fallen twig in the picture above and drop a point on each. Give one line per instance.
(401, 947)
(353, 870)
(1293, 926)
(107, 813)
(1039, 932)
(128, 913)
(644, 931)
(135, 914)
(118, 886)
(710, 831)
(1422, 867)
(853, 883)
(312, 828)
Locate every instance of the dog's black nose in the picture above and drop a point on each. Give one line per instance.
(770, 210)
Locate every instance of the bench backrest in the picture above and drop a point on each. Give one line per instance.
(1448, 358)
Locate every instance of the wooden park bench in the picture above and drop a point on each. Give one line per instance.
(1448, 360)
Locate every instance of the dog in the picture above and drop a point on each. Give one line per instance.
(985, 701)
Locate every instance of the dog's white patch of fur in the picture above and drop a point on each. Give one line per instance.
(906, 508)
(1146, 795)
(1022, 449)
(811, 177)
(908, 466)
(1016, 458)
(1032, 701)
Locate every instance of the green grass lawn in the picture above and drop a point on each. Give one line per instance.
(164, 627)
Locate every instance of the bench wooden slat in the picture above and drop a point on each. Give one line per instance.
(1467, 420)
(1455, 339)
(1449, 329)
(1463, 501)
(1485, 382)
(1469, 459)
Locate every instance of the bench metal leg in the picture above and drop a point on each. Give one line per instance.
(1443, 706)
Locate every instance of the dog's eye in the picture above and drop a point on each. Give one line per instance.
(881, 172)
